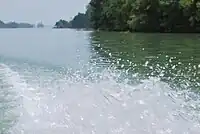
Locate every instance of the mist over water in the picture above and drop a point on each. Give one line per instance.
(113, 83)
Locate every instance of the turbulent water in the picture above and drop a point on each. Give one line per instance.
(77, 82)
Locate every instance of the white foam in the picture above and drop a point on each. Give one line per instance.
(105, 106)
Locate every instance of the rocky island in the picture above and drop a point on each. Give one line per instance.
(15, 25)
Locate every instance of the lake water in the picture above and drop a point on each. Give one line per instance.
(82, 82)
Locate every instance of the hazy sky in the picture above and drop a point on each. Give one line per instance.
(47, 11)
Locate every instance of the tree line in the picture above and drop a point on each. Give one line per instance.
(139, 16)
(81, 20)
(145, 15)
(15, 25)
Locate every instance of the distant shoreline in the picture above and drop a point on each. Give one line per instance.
(86, 29)
(13, 24)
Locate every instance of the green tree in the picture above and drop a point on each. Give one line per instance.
(62, 24)
(80, 21)
(96, 17)
(145, 15)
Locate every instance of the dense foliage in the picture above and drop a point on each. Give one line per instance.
(145, 15)
(15, 25)
(62, 24)
(81, 20)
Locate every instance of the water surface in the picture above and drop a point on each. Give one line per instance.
(66, 81)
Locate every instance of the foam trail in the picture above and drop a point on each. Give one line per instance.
(67, 105)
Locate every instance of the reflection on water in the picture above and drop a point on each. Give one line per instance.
(133, 84)
(174, 58)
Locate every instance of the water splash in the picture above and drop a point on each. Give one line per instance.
(99, 102)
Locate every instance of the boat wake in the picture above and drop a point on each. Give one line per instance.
(60, 104)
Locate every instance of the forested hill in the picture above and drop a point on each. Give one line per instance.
(15, 25)
(145, 15)
(81, 20)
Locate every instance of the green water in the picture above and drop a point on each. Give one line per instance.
(172, 57)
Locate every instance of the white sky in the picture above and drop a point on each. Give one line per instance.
(47, 11)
